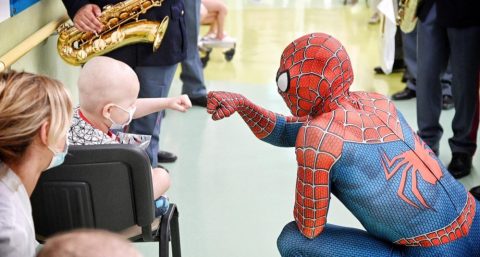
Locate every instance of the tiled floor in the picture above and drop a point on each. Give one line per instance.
(234, 192)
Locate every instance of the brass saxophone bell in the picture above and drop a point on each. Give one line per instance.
(160, 33)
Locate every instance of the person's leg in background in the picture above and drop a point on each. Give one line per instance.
(409, 44)
(465, 59)
(192, 68)
(432, 57)
(446, 82)
(410, 59)
(155, 81)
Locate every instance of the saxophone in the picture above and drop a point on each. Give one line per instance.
(121, 27)
(407, 15)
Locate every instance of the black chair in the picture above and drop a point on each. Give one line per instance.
(107, 187)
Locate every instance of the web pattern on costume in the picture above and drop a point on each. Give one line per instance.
(82, 133)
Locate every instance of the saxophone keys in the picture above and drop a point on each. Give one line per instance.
(63, 27)
(87, 36)
(135, 9)
(99, 45)
(123, 15)
(113, 22)
(67, 51)
(147, 4)
(117, 36)
(81, 55)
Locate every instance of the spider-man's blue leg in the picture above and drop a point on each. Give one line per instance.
(334, 241)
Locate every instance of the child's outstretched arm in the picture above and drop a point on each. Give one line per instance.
(147, 106)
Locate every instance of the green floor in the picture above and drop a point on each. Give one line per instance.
(234, 192)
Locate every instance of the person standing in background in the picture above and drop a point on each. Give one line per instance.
(409, 48)
(449, 29)
(192, 68)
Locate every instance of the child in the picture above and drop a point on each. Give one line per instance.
(108, 91)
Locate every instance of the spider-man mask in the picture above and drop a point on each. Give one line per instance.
(314, 74)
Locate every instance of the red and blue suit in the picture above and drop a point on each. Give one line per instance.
(357, 146)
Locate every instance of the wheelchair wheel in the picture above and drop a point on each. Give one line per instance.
(205, 56)
(229, 54)
(204, 61)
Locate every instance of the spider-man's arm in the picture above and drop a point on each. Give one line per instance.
(318, 147)
(268, 126)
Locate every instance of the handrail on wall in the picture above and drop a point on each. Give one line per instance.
(28, 44)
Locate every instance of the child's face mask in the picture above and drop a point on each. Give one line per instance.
(115, 125)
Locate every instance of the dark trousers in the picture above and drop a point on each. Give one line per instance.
(436, 45)
(409, 45)
(192, 68)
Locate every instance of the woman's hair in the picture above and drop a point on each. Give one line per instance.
(26, 102)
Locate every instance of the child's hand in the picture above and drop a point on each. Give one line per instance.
(180, 103)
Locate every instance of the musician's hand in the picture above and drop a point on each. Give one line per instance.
(86, 19)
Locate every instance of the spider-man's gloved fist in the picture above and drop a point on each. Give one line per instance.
(223, 104)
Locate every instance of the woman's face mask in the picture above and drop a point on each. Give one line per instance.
(115, 125)
(58, 157)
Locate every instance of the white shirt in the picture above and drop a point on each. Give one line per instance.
(17, 233)
(81, 132)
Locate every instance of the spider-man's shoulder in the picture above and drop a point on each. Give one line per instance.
(331, 122)
(371, 101)
(324, 133)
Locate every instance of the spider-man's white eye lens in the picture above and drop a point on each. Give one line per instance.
(282, 82)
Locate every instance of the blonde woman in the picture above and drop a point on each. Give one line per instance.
(35, 113)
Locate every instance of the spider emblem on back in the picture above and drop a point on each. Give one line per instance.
(418, 161)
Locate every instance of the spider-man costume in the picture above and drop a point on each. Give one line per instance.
(357, 146)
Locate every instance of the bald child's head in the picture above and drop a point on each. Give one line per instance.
(104, 80)
(88, 243)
